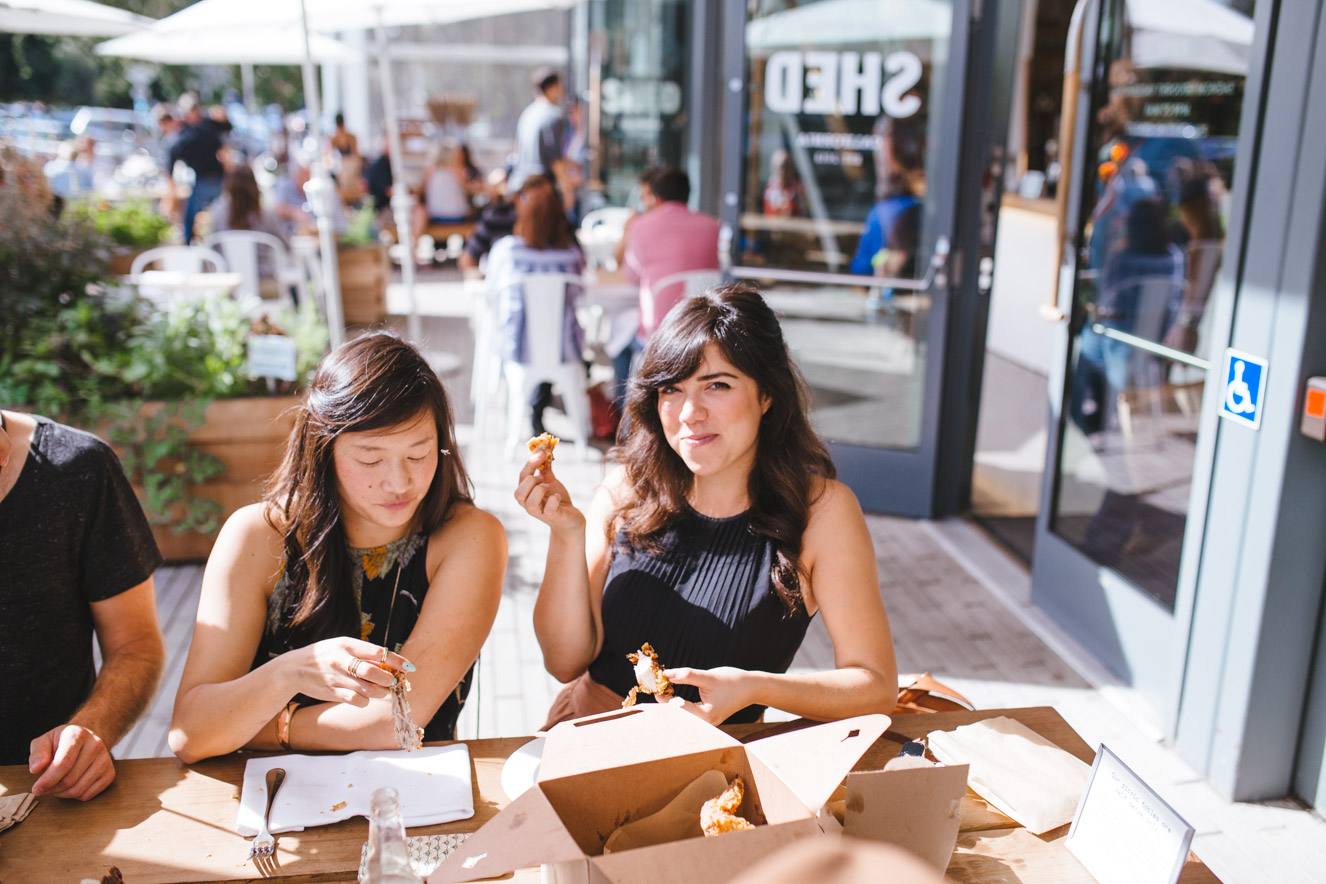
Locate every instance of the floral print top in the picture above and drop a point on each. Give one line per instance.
(400, 566)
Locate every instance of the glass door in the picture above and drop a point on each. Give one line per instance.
(1152, 178)
(839, 195)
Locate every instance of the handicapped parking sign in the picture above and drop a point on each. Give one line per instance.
(1241, 395)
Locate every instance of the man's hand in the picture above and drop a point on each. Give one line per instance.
(73, 763)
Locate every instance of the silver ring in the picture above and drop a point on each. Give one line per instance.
(354, 667)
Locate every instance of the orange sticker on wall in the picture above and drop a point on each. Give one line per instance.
(1315, 406)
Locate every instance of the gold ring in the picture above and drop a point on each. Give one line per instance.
(354, 667)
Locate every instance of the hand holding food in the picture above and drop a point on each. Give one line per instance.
(409, 736)
(545, 441)
(539, 491)
(649, 676)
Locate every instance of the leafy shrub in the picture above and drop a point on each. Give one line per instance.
(132, 224)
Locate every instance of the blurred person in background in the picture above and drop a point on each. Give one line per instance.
(496, 220)
(377, 178)
(667, 238)
(445, 198)
(345, 162)
(784, 194)
(290, 204)
(72, 173)
(240, 208)
(542, 242)
(888, 245)
(198, 147)
(542, 132)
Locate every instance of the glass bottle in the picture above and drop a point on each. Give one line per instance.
(388, 858)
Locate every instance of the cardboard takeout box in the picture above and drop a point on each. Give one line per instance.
(601, 772)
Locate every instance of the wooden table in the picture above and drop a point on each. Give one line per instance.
(164, 822)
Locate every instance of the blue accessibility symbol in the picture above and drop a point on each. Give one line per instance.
(1245, 382)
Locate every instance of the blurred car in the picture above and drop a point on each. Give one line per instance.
(116, 131)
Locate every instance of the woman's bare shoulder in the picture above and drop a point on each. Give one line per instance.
(253, 527)
(616, 485)
(466, 525)
(831, 503)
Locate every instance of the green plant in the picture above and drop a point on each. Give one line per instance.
(49, 262)
(154, 451)
(94, 363)
(361, 229)
(132, 224)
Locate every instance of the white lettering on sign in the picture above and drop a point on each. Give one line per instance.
(643, 97)
(821, 83)
(860, 79)
(848, 83)
(784, 77)
(906, 70)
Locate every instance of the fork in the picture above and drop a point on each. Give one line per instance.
(264, 844)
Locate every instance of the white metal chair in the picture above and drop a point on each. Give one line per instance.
(181, 274)
(240, 248)
(694, 282)
(601, 230)
(545, 305)
(609, 216)
(180, 259)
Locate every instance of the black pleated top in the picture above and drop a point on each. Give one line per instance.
(707, 600)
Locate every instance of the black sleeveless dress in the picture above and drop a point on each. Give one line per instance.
(374, 576)
(707, 600)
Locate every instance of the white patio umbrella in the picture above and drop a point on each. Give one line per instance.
(850, 22)
(278, 44)
(1200, 35)
(327, 16)
(71, 18)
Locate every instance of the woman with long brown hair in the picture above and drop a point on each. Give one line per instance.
(366, 549)
(719, 538)
(240, 208)
(541, 242)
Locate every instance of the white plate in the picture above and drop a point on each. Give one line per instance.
(522, 769)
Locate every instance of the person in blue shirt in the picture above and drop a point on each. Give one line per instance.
(893, 227)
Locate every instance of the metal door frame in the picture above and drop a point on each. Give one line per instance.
(1117, 601)
(884, 480)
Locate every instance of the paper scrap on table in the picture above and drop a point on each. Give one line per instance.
(434, 784)
(1017, 770)
(15, 808)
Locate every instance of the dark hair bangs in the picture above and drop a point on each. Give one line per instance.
(380, 394)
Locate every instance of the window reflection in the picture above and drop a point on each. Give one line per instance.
(843, 102)
(1165, 129)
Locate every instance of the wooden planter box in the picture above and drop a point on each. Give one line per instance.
(364, 271)
(248, 436)
(122, 260)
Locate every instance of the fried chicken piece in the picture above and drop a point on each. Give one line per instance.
(649, 674)
(546, 441)
(719, 815)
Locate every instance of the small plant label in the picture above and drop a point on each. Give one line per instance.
(272, 356)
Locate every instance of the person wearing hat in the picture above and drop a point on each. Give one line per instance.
(542, 132)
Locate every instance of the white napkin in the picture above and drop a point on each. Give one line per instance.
(434, 785)
(1021, 773)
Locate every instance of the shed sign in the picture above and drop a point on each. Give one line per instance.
(847, 83)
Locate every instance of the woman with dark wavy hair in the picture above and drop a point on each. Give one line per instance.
(720, 537)
(367, 549)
